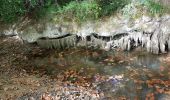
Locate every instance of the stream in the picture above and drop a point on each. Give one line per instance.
(27, 72)
(133, 75)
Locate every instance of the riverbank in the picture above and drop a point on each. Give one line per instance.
(127, 26)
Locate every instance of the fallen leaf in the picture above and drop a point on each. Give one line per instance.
(162, 68)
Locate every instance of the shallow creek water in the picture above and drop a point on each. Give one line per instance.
(27, 72)
(132, 75)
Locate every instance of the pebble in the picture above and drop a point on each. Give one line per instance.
(31, 98)
(66, 93)
(1, 84)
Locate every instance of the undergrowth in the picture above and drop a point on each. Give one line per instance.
(81, 10)
(155, 8)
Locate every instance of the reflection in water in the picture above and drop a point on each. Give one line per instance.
(149, 61)
(129, 74)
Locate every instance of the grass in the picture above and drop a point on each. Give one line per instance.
(155, 8)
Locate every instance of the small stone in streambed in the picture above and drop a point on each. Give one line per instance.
(31, 98)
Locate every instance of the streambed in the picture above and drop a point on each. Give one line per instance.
(131, 75)
(110, 75)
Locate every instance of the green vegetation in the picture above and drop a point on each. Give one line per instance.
(81, 11)
(91, 9)
(156, 8)
(110, 6)
(12, 10)
(78, 9)
(137, 8)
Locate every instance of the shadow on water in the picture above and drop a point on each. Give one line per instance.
(130, 75)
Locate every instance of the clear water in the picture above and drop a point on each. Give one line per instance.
(126, 71)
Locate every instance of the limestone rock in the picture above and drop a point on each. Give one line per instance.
(151, 33)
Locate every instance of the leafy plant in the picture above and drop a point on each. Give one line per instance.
(155, 7)
(110, 6)
(10, 10)
(137, 8)
(81, 11)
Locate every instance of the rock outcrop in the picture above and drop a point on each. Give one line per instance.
(58, 43)
(151, 33)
